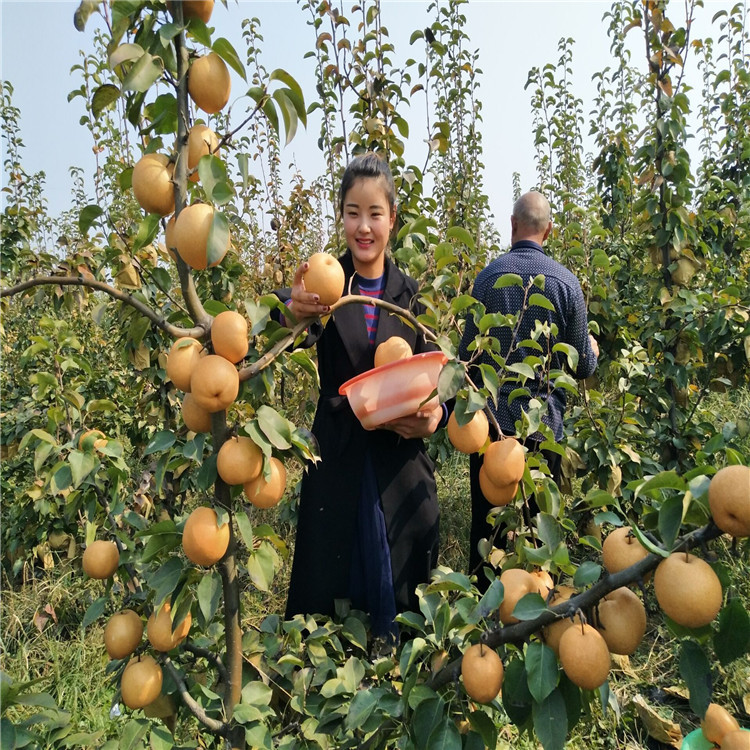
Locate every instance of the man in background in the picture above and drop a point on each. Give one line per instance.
(530, 224)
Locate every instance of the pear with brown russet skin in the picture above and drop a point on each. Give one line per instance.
(687, 590)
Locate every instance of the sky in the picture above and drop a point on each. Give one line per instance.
(40, 45)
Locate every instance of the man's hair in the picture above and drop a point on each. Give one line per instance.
(532, 211)
(367, 165)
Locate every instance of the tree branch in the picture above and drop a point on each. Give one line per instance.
(209, 656)
(218, 727)
(199, 332)
(522, 631)
(260, 364)
(187, 283)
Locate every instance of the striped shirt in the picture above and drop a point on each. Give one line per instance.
(371, 288)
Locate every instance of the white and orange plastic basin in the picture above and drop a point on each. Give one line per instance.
(394, 390)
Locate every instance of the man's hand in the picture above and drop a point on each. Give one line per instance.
(594, 345)
(419, 425)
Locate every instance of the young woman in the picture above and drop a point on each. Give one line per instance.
(368, 517)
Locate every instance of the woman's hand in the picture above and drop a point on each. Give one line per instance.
(304, 304)
(419, 425)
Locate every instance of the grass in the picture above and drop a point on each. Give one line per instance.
(71, 663)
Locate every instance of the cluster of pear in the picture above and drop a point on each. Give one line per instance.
(209, 86)
(142, 678)
(685, 586)
(211, 384)
(504, 460)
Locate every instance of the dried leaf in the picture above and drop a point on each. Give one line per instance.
(678, 692)
(622, 663)
(614, 481)
(128, 277)
(140, 358)
(40, 620)
(50, 610)
(659, 728)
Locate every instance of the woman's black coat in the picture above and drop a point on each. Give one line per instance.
(331, 489)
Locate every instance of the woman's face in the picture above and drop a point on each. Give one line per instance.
(368, 221)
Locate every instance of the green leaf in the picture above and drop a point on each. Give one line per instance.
(206, 476)
(664, 480)
(213, 176)
(269, 110)
(218, 239)
(288, 113)
(451, 379)
(41, 454)
(732, 639)
(168, 32)
(516, 697)
(508, 279)
(260, 567)
(522, 369)
(572, 696)
(245, 527)
(353, 673)
(161, 441)
(410, 652)
(139, 326)
(164, 581)
(276, 428)
(462, 235)
(488, 604)
(144, 73)
(570, 352)
(224, 49)
(82, 463)
(361, 707)
(549, 530)
(490, 380)
(162, 113)
(529, 607)
(696, 671)
(147, 231)
(427, 715)
(445, 736)
(539, 300)
(134, 731)
(648, 544)
(588, 572)
(198, 30)
(88, 216)
(670, 520)
(125, 53)
(355, 632)
(80, 17)
(61, 477)
(297, 97)
(209, 596)
(541, 670)
(101, 404)
(551, 721)
(160, 739)
(598, 498)
(95, 610)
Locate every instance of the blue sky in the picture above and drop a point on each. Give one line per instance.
(40, 45)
